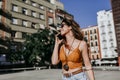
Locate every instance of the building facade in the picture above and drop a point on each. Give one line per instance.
(22, 17)
(28, 16)
(116, 16)
(5, 31)
(107, 37)
(91, 35)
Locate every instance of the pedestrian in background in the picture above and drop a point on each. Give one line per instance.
(71, 50)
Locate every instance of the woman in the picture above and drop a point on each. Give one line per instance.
(72, 53)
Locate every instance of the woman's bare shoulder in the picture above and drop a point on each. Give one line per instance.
(82, 44)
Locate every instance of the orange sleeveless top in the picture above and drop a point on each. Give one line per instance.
(74, 58)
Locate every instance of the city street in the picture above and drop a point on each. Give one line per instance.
(55, 74)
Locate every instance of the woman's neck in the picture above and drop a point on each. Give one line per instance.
(69, 42)
(69, 38)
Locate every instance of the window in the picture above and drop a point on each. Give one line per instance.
(94, 30)
(15, 8)
(91, 44)
(112, 45)
(97, 57)
(14, 21)
(85, 32)
(91, 37)
(41, 7)
(42, 26)
(24, 23)
(0, 4)
(104, 46)
(24, 0)
(33, 3)
(59, 17)
(32, 25)
(106, 55)
(47, 0)
(50, 10)
(95, 37)
(109, 24)
(13, 33)
(41, 16)
(96, 43)
(102, 26)
(33, 13)
(24, 11)
(85, 38)
(90, 31)
(50, 20)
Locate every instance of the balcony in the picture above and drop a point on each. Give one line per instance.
(102, 26)
(5, 27)
(110, 32)
(111, 40)
(104, 40)
(104, 47)
(103, 33)
(5, 13)
(109, 24)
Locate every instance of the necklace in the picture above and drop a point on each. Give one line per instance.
(65, 66)
(69, 49)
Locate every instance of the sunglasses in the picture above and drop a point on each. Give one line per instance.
(62, 25)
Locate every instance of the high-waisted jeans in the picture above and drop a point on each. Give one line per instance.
(79, 76)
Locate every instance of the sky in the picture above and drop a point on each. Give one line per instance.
(85, 11)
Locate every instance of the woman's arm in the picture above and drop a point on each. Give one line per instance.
(87, 63)
(55, 58)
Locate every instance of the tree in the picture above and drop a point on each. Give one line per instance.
(38, 48)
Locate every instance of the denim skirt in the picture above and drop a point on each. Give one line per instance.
(79, 76)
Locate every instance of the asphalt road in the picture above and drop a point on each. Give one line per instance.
(55, 74)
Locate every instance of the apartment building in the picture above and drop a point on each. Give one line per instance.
(116, 16)
(5, 31)
(107, 37)
(91, 35)
(60, 14)
(26, 17)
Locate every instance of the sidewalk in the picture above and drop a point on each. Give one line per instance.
(107, 68)
(55, 74)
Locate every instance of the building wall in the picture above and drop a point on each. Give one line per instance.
(116, 15)
(27, 17)
(30, 15)
(91, 33)
(4, 16)
(107, 34)
(4, 31)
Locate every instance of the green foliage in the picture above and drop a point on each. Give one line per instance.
(38, 47)
(14, 55)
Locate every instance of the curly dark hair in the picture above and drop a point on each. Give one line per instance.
(75, 28)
